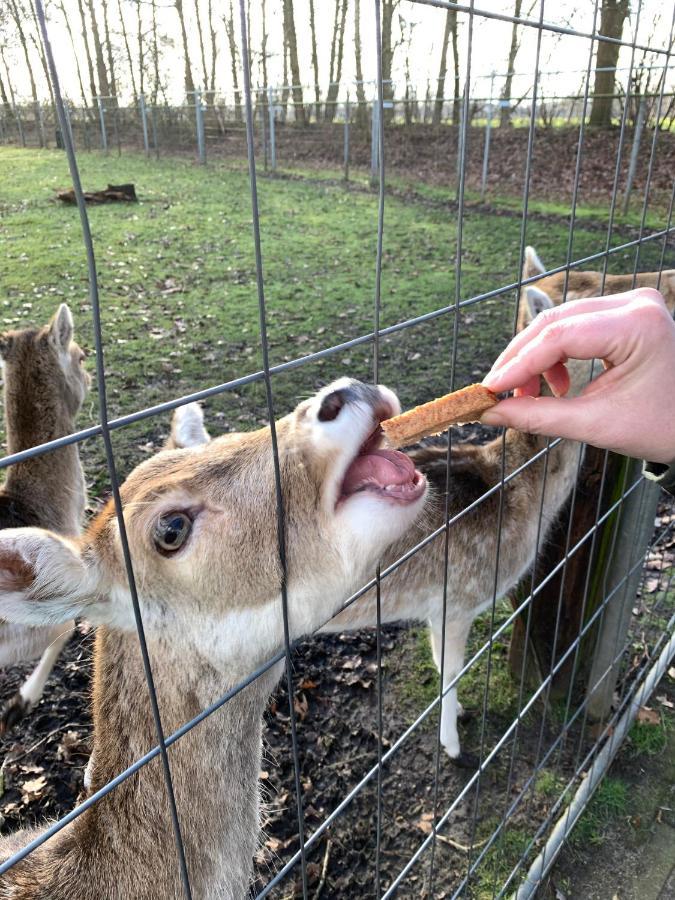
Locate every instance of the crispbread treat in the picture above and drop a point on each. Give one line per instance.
(465, 405)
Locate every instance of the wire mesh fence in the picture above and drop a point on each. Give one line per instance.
(590, 629)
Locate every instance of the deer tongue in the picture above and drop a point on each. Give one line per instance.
(378, 468)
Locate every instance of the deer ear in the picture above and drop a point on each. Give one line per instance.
(187, 427)
(61, 327)
(532, 265)
(44, 578)
(537, 301)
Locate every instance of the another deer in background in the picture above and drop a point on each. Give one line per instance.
(44, 387)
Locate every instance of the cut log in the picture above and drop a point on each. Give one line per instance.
(123, 193)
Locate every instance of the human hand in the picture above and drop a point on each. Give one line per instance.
(629, 408)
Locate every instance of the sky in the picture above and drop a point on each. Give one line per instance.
(563, 59)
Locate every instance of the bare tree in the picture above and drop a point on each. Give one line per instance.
(87, 51)
(66, 21)
(37, 43)
(202, 49)
(214, 46)
(18, 15)
(362, 110)
(127, 47)
(315, 60)
(156, 83)
(109, 49)
(189, 83)
(103, 84)
(291, 41)
(450, 28)
(263, 44)
(505, 112)
(336, 59)
(613, 14)
(228, 21)
(140, 43)
(388, 48)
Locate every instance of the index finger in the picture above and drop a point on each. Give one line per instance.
(556, 314)
(588, 336)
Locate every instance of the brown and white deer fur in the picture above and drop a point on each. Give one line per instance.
(415, 589)
(585, 284)
(44, 388)
(202, 532)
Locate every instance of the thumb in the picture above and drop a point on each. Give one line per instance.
(554, 417)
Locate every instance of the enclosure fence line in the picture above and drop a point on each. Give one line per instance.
(637, 497)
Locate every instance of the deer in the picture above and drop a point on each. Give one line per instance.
(45, 384)
(583, 284)
(202, 530)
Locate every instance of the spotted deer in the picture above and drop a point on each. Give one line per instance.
(202, 530)
(44, 387)
(583, 284)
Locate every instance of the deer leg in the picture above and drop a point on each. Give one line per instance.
(456, 633)
(31, 690)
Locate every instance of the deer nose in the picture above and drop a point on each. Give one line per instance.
(331, 405)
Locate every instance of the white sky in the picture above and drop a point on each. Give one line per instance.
(567, 55)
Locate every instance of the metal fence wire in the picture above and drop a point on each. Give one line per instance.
(620, 679)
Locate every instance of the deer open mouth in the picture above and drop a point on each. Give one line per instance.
(389, 474)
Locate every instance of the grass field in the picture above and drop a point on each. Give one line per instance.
(178, 290)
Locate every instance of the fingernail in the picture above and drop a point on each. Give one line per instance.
(492, 417)
(490, 379)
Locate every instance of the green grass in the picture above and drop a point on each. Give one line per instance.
(178, 291)
(609, 802)
(649, 739)
(498, 862)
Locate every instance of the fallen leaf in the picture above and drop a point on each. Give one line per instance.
(647, 716)
(301, 706)
(33, 788)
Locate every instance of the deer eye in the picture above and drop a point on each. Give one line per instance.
(171, 531)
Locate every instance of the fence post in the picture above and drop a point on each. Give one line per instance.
(69, 125)
(263, 129)
(19, 123)
(346, 148)
(375, 144)
(486, 149)
(635, 151)
(144, 123)
(101, 117)
(273, 146)
(633, 531)
(199, 118)
(153, 120)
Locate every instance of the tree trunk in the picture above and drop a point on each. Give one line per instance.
(108, 43)
(456, 96)
(214, 48)
(263, 49)
(229, 29)
(189, 83)
(103, 84)
(315, 60)
(336, 72)
(3, 96)
(285, 90)
(289, 32)
(612, 17)
(155, 55)
(388, 7)
(141, 50)
(87, 51)
(19, 16)
(37, 43)
(125, 38)
(362, 109)
(450, 28)
(505, 111)
(202, 49)
(66, 21)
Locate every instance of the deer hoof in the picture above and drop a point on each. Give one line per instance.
(466, 715)
(465, 760)
(12, 712)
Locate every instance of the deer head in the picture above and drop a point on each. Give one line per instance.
(202, 528)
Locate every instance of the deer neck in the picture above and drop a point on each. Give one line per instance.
(52, 483)
(215, 770)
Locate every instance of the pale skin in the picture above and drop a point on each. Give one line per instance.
(628, 408)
